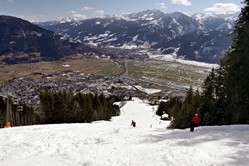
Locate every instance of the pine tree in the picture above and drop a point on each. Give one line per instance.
(177, 116)
(161, 108)
(208, 99)
(183, 112)
(98, 110)
(68, 106)
(58, 108)
(236, 70)
(89, 108)
(46, 99)
(28, 113)
(2, 112)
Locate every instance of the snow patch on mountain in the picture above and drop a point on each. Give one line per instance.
(172, 58)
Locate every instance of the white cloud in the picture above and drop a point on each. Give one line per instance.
(85, 13)
(223, 8)
(87, 8)
(76, 15)
(33, 18)
(73, 12)
(9, 1)
(181, 2)
(100, 12)
(161, 5)
(79, 16)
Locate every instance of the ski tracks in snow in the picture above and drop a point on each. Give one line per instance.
(117, 143)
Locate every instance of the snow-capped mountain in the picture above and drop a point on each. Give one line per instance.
(216, 22)
(201, 37)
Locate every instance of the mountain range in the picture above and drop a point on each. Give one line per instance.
(200, 37)
(22, 41)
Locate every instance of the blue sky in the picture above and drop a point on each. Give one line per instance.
(46, 10)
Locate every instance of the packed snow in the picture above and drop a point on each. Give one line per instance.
(116, 143)
(66, 65)
(147, 90)
(171, 58)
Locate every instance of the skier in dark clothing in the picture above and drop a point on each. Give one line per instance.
(195, 122)
(133, 123)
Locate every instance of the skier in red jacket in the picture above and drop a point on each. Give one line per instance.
(133, 123)
(195, 122)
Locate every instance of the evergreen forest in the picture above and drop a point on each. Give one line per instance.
(59, 107)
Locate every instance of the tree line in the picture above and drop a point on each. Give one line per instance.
(224, 98)
(65, 107)
(60, 107)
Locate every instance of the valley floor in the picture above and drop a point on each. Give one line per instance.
(119, 144)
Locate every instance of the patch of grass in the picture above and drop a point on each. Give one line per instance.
(88, 66)
(161, 72)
